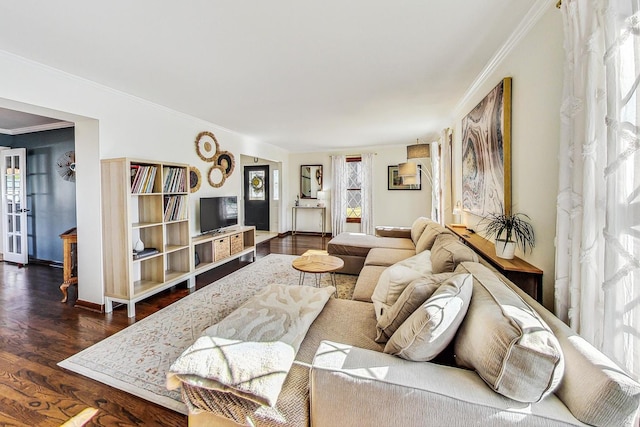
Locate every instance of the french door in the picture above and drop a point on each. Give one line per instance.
(14, 212)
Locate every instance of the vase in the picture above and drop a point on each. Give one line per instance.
(505, 248)
(138, 246)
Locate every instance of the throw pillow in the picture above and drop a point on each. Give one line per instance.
(506, 341)
(447, 252)
(429, 235)
(395, 278)
(433, 325)
(413, 296)
(418, 227)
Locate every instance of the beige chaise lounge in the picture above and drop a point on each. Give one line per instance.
(507, 344)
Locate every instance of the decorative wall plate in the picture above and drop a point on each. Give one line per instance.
(195, 179)
(226, 160)
(216, 176)
(67, 166)
(207, 146)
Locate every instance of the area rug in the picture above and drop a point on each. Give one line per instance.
(137, 358)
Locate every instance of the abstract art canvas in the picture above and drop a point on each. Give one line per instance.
(486, 153)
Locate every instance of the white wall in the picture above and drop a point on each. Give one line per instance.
(112, 124)
(391, 207)
(536, 65)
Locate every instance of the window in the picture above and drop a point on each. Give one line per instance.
(276, 184)
(354, 189)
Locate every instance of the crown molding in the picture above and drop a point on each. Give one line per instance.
(38, 128)
(539, 8)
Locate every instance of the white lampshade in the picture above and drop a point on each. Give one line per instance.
(410, 180)
(407, 169)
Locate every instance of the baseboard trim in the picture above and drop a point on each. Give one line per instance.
(91, 306)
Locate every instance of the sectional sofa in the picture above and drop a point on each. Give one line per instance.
(434, 337)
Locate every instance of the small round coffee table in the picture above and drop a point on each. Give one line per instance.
(318, 264)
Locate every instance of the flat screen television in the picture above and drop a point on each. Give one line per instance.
(218, 212)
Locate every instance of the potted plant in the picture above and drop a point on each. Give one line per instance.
(510, 230)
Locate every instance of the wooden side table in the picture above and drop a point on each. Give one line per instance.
(70, 265)
(318, 264)
(526, 276)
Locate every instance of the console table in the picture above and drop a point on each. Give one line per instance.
(526, 276)
(294, 217)
(70, 265)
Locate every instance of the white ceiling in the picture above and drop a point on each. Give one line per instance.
(303, 75)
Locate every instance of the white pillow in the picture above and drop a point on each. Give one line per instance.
(396, 278)
(411, 298)
(431, 328)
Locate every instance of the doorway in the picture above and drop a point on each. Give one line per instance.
(256, 196)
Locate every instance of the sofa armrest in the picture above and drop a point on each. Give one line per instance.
(388, 231)
(365, 387)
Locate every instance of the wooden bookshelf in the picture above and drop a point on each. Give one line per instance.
(528, 277)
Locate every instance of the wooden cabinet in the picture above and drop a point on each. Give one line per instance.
(147, 202)
(211, 250)
(526, 276)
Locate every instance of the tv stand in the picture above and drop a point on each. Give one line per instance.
(221, 246)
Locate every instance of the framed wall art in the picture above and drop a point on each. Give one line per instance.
(486, 153)
(394, 180)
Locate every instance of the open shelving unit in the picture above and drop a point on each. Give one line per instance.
(149, 202)
(215, 249)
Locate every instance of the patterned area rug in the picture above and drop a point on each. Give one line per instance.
(137, 358)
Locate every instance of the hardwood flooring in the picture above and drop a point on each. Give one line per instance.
(37, 331)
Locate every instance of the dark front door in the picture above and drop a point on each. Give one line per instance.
(256, 196)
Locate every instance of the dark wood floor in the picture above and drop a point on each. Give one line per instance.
(37, 331)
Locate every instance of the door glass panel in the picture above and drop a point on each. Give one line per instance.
(7, 163)
(9, 223)
(18, 245)
(17, 224)
(10, 241)
(9, 207)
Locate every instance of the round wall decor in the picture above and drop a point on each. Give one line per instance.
(207, 146)
(226, 160)
(195, 179)
(67, 166)
(216, 176)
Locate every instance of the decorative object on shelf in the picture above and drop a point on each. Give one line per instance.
(216, 176)
(67, 166)
(409, 178)
(138, 246)
(207, 146)
(486, 153)
(195, 179)
(509, 230)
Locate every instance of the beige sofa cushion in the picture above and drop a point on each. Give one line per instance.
(430, 328)
(429, 235)
(387, 257)
(366, 283)
(447, 252)
(418, 227)
(506, 341)
(413, 296)
(394, 279)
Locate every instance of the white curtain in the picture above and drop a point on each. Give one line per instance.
(436, 204)
(339, 198)
(597, 284)
(366, 192)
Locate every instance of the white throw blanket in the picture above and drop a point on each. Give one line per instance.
(250, 352)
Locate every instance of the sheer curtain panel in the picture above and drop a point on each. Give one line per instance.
(597, 287)
(339, 199)
(366, 220)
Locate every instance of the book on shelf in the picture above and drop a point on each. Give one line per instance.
(143, 179)
(175, 208)
(174, 181)
(145, 253)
